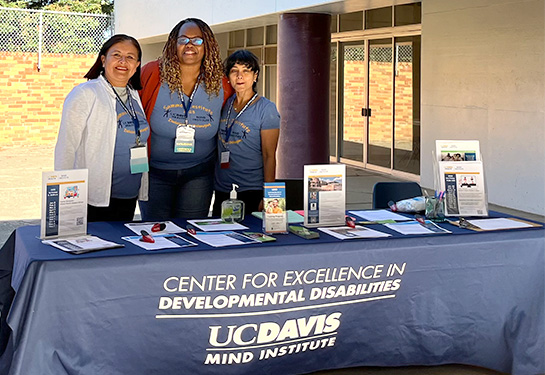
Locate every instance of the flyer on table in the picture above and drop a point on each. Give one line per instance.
(463, 184)
(64, 203)
(325, 194)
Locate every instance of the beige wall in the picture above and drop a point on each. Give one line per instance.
(483, 72)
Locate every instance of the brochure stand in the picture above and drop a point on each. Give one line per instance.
(459, 177)
(325, 195)
(275, 215)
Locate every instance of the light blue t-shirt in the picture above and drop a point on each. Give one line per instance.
(124, 184)
(168, 113)
(245, 159)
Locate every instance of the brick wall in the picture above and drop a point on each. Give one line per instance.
(380, 103)
(31, 101)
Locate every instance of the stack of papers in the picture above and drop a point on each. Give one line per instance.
(415, 227)
(210, 225)
(220, 239)
(81, 244)
(162, 241)
(379, 216)
(347, 233)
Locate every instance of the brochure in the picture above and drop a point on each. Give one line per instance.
(155, 227)
(293, 217)
(463, 184)
(64, 203)
(220, 239)
(210, 225)
(348, 233)
(304, 232)
(81, 244)
(457, 150)
(162, 241)
(325, 194)
(275, 218)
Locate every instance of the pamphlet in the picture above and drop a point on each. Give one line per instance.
(349, 233)
(463, 184)
(325, 194)
(457, 150)
(210, 225)
(293, 217)
(220, 239)
(275, 218)
(162, 241)
(64, 203)
(81, 244)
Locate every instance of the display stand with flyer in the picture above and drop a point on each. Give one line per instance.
(275, 216)
(325, 195)
(64, 203)
(64, 213)
(459, 173)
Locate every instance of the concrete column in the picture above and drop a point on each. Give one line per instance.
(304, 48)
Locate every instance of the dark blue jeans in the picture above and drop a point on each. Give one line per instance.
(184, 193)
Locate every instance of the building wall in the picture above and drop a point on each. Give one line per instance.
(483, 78)
(31, 101)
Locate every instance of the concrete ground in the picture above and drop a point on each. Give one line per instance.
(20, 204)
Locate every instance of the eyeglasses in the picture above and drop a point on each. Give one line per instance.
(195, 41)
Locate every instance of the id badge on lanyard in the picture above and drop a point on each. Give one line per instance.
(185, 140)
(139, 159)
(224, 160)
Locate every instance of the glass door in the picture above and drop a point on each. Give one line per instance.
(352, 127)
(407, 105)
(381, 106)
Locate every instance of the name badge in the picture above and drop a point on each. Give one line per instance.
(139, 159)
(185, 140)
(224, 159)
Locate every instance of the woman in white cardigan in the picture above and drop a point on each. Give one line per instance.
(104, 129)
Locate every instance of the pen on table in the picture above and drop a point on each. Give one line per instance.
(158, 227)
(146, 237)
(190, 229)
(350, 221)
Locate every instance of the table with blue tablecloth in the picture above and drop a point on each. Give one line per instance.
(291, 306)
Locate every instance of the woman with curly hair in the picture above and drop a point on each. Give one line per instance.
(182, 97)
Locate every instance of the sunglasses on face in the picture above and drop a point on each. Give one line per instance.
(195, 41)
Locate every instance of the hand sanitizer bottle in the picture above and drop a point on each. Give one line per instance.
(232, 209)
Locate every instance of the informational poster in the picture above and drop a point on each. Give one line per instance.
(463, 184)
(64, 203)
(325, 195)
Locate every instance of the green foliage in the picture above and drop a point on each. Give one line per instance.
(78, 6)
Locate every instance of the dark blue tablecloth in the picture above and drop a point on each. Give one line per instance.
(289, 307)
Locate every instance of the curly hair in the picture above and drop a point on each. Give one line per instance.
(211, 66)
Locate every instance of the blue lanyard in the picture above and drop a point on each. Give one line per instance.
(230, 126)
(131, 112)
(190, 101)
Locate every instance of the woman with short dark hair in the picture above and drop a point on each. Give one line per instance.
(247, 137)
(104, 129)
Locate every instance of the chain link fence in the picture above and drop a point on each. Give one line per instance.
(23, 30)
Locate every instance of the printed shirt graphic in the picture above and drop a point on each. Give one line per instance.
(124, 184)
(168, 113)
(245, 159)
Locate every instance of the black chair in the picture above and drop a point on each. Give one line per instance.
(383, 192)
(294, 193)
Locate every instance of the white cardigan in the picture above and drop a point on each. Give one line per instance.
(87, 137)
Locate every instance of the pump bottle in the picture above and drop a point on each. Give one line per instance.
(232, 209)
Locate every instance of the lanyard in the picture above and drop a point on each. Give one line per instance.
(190, 101)
(230, 126)
(131, 112)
